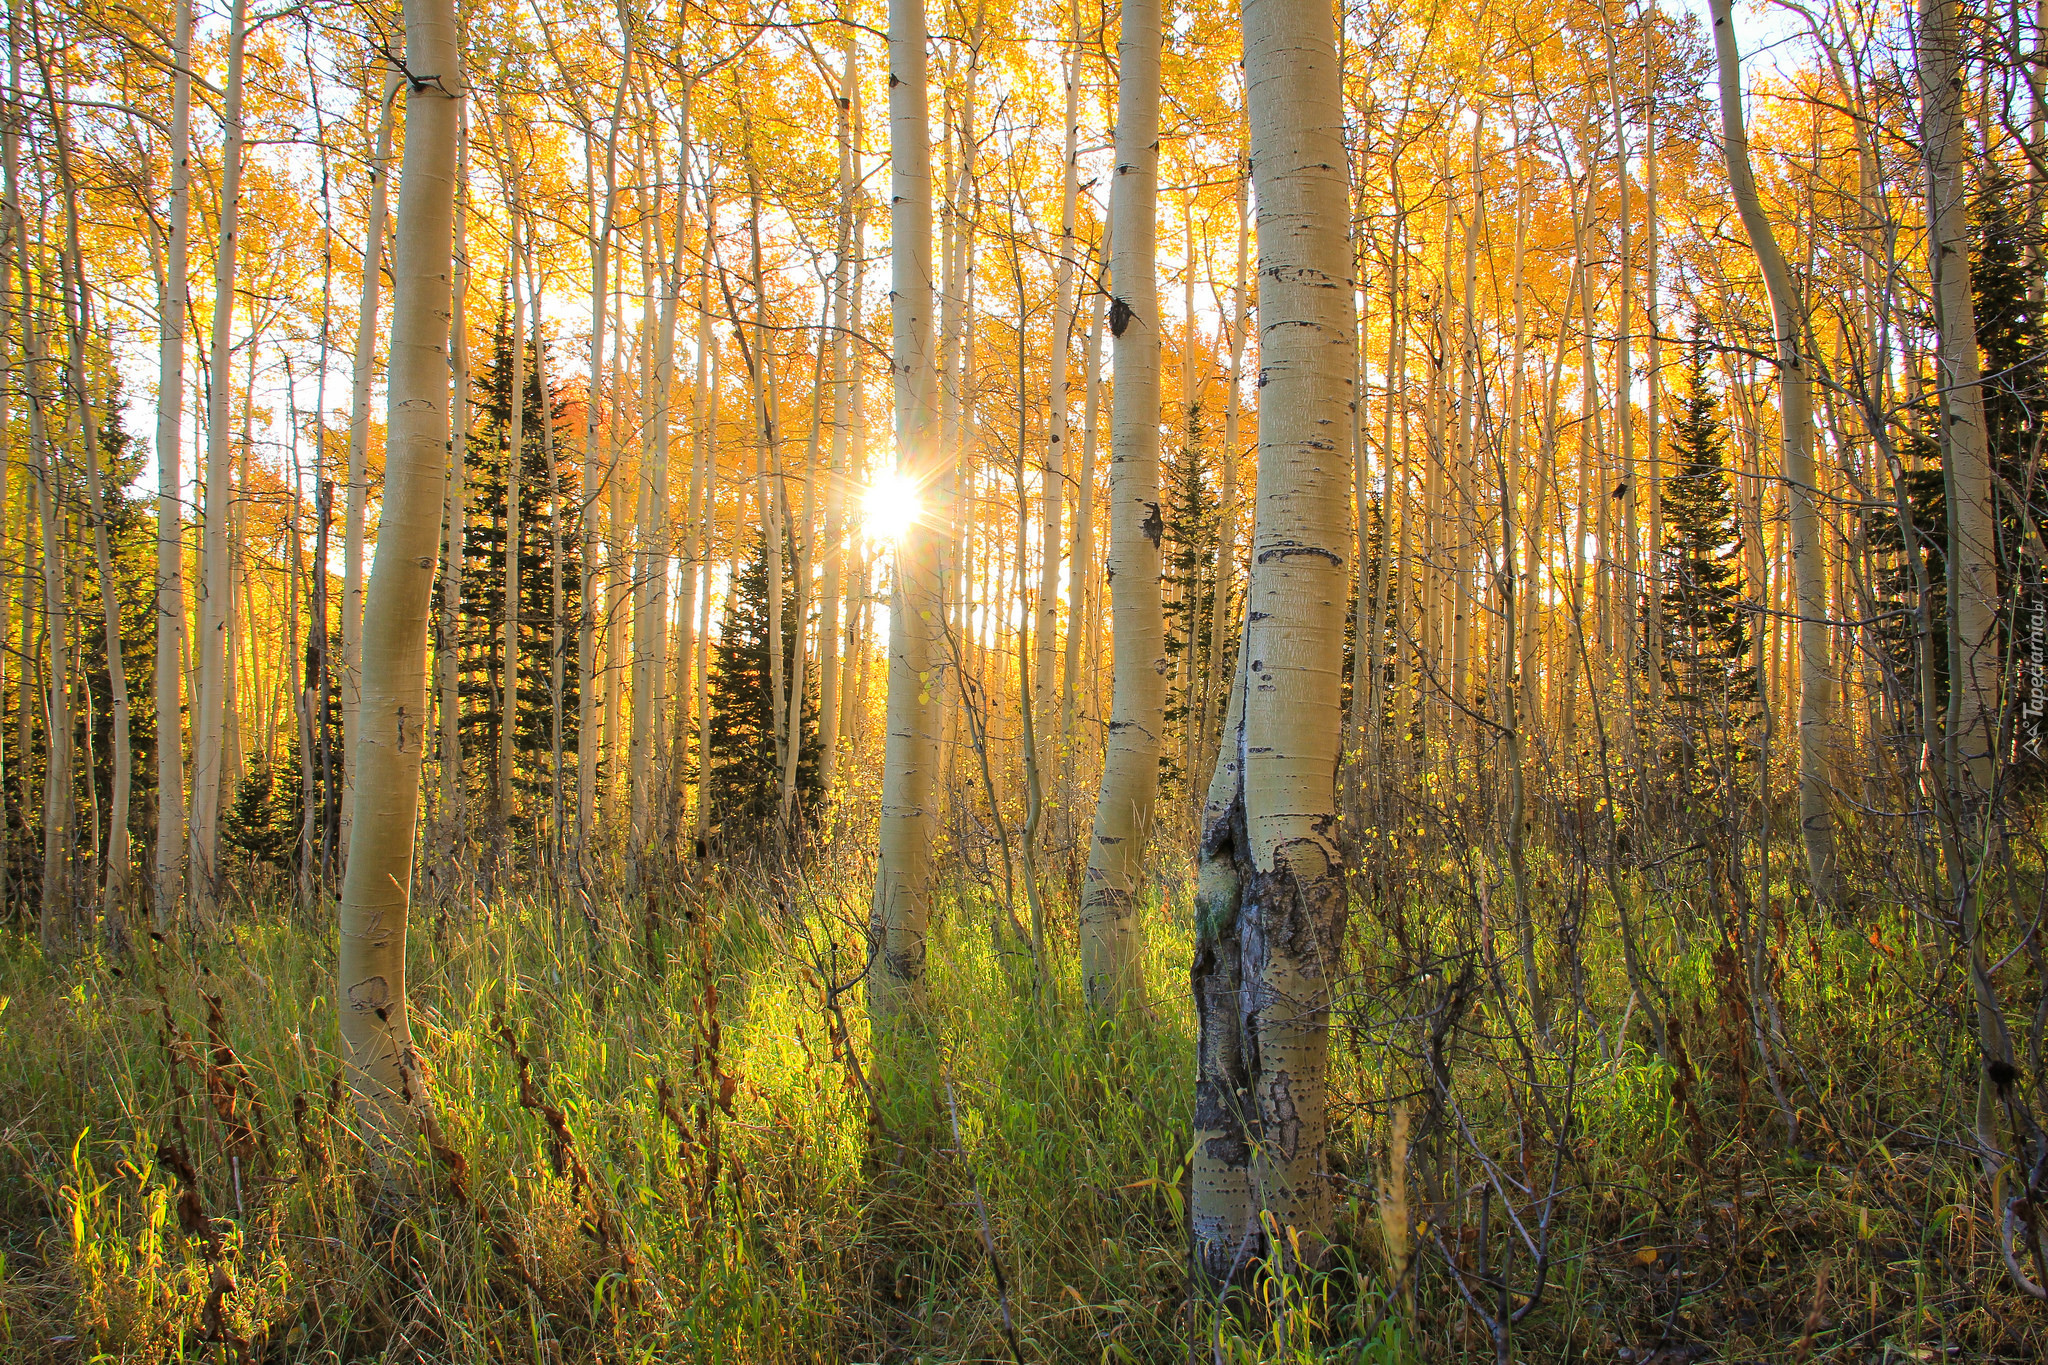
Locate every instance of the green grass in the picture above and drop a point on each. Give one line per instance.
(723, 1197)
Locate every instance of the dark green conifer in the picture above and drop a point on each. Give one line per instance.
(744, 786)
(1710, 683)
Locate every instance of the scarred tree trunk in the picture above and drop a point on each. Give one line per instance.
(1111, 966)
(1270, 914)
(391, 731)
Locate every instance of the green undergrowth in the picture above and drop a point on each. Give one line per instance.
(665, 1137)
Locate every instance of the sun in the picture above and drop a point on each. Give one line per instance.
(889, 506)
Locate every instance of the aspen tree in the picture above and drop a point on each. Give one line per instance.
(1270, 914)
(515, 468)
(616, 616)
(1973, 721)
(702, 496)
(1515, 599)
(445, 644)
(356, 500)
(78, 318)
(1053, 473)
(167, 862)
(837, 475)
(902, 904)
(57, 765)
(13, 236)
(1795, 389)
(654, 455)
(1111, 967)
(1653, 434)
(587, 741)
(557, 646)
(214, 582)
(1081, 642)
(376, 1030)
(56, 682)
(1973, 709)
(1226, 522)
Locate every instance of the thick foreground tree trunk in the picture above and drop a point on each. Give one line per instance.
(1271, 912)
(1111, 954)
(910, 755)
(391, 731)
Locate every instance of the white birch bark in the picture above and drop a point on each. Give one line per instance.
(1053, 475)
(376, 1031)
(1111, 965)
(214, 581)
(836, 476)
(168, 860)
(587, 738)
(1273, 922)
(902, 904)
(1973, 712)
(1795, 401)
(355, 505)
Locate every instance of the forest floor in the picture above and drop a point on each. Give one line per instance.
(653, 1142)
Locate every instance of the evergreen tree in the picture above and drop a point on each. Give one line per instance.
(131, 543)
(1191, 526)
(1710, 682)
(480, 642)
(2005, 273)
(744, 786)
(2014, 343)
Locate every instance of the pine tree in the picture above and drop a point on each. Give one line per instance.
(2014, 342)
(2005, 273)
(1192, 523)
(480, 636)
(131, 538)
(745, 782)
(1710, 682)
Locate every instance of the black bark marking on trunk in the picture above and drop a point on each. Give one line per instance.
(1154, 525)
(371, 993)
(1120, 315)
(1267, 556)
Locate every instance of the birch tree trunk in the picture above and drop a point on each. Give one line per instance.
(1270, 925)
(78, 316)
(168, 862)
(1226, 518)
(837, 476)
(1973, 711)
(1795, 401)
(586, 626)
(1111, 966)
(902, 904)
(515, 462)
(376, 1031)
(214, 582)
(445, 648)
(1053, 476)
(57, 766)
(357, 497)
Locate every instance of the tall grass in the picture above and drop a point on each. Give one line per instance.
(667, 1142)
